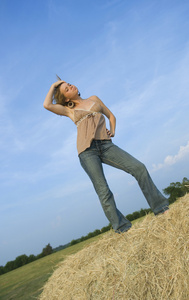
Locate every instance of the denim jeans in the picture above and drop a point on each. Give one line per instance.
(104, 151)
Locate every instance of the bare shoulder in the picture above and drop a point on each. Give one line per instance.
(95, 99)
(105, 109)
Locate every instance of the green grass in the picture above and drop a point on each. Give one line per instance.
(27, 282)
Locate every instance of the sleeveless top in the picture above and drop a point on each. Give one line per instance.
(91, 125)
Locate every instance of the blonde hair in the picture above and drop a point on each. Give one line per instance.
(58, 97)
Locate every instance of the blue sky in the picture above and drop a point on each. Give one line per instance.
(134, 55)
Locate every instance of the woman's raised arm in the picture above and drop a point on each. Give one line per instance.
(55, 108)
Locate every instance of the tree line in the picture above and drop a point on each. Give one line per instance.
(175, 190)
(22, 260)
(135, 215)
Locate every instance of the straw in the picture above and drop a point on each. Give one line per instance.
(149, 262)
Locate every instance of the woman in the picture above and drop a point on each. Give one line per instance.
(95, 147)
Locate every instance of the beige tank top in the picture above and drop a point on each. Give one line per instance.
(91, 125)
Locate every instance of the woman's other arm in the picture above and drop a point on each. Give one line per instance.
(55, 108)
(108, 114)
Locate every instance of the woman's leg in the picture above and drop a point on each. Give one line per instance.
(92, 164)
(116, 157)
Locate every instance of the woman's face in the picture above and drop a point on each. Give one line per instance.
(68, 90)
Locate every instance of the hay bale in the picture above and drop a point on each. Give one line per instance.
(150, 261)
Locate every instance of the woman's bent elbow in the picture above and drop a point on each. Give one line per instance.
(113, 118)
(46, 106)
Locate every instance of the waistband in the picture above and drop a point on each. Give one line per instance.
(86, 116)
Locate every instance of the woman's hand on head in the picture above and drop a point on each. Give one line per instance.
(109, 133)
(57, 83)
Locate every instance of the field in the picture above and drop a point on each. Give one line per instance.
(26, 283)
(150, 262)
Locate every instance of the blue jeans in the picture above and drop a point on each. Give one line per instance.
(104, 151)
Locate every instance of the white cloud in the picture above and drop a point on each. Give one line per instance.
(173, 159)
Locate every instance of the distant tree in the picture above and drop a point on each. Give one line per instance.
(176, 190)
(73, 242)
(148, 210)
(21, 261)
(130, 217)
(47, 250)
(31, 258)
(185, 185)
(10, 265)
(39, 256)
(90, 235)
(142, 212)
(106, 228)
(61, 247)
(136, 215)
(83, 238)
(2, 271)
(96, 232)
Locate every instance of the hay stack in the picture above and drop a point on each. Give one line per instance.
(150, 261)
